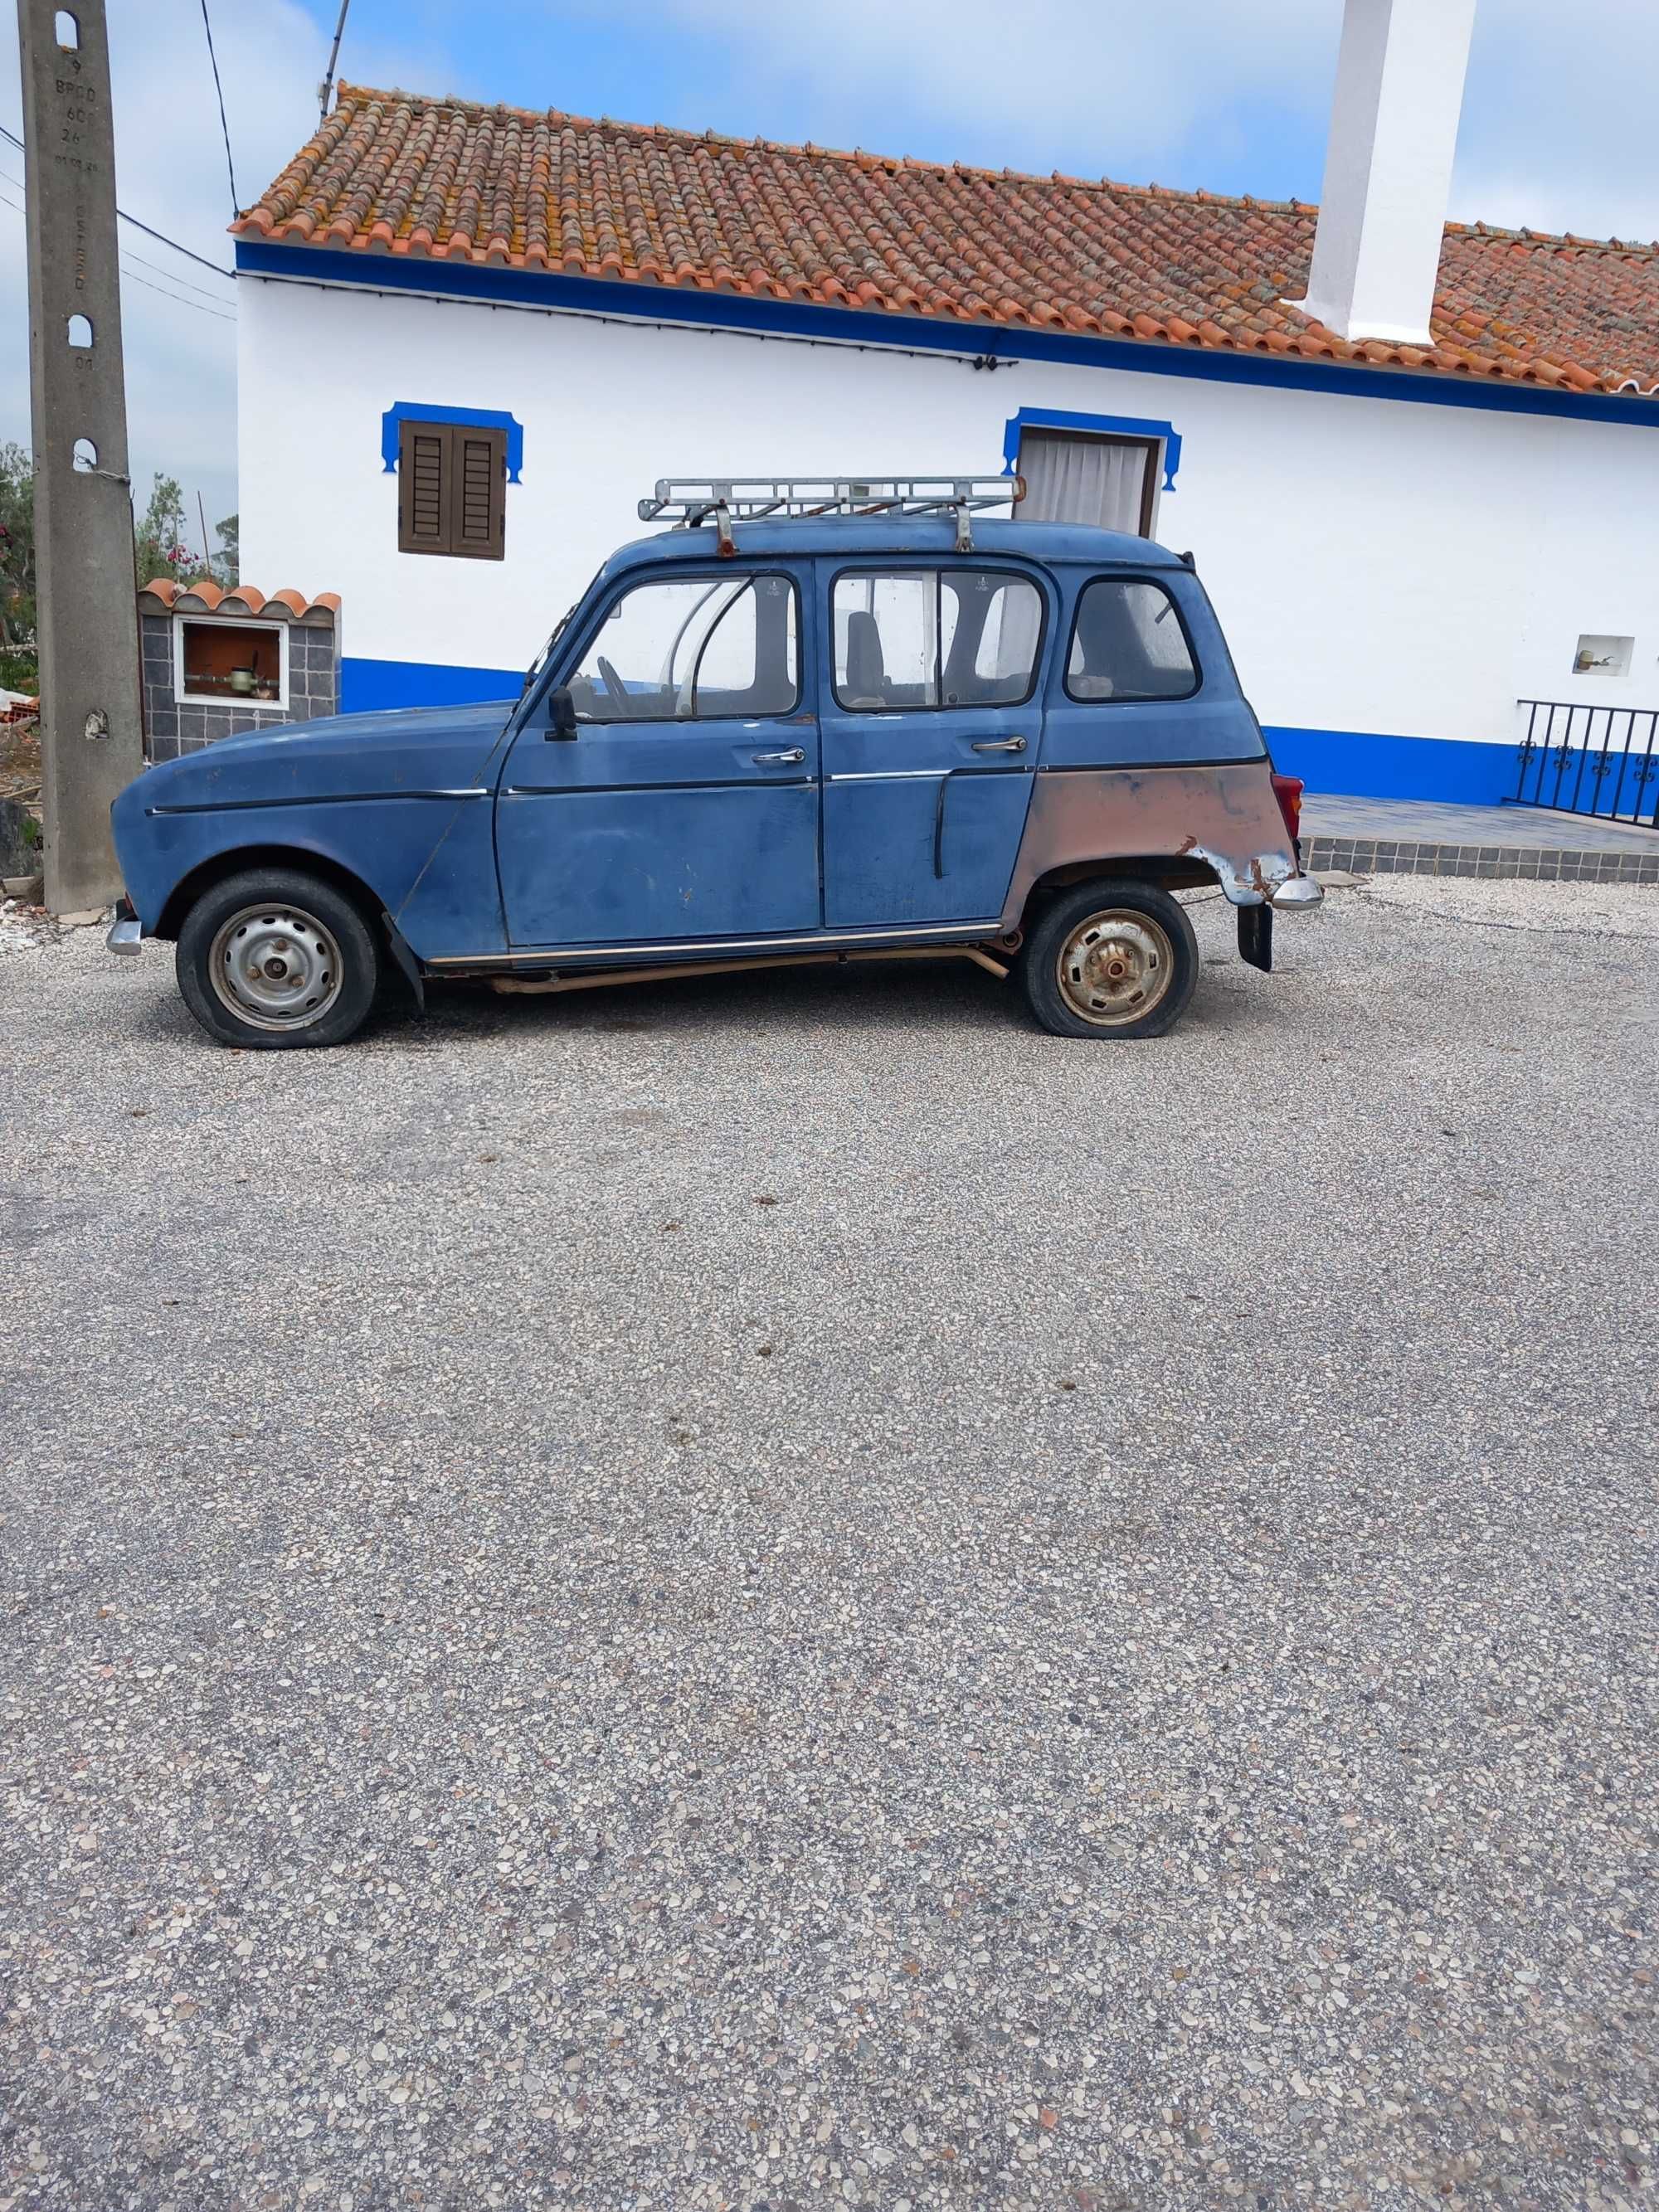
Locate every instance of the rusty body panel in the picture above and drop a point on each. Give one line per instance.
(1222, 822)
(607, 978)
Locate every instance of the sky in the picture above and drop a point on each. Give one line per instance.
(1229, 94)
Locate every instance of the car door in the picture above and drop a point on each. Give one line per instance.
(931, 717)
(686, 806)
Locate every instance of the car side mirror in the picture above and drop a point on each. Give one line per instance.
(562, 713)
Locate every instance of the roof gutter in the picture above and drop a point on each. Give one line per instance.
(975, 344)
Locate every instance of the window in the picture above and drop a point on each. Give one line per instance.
(451, 490)
(928, 637)
(1128, 643)
(690, 649)
(1110, 484)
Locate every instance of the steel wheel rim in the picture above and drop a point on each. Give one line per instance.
(1116, 967)
(275, 967)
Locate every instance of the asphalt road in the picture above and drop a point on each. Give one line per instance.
(784, 1592)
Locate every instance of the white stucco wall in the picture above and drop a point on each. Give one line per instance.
(1403, 570)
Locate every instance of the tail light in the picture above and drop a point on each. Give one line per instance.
(1287, 790)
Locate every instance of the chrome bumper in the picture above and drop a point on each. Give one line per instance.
(126, 935)
(1297, 894)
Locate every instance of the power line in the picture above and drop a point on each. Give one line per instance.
(235, 205)
(160, 236)
(176, 298)
(217, 298)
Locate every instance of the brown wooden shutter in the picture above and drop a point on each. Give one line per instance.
(480, 472)
(422, 492)
(451, 490)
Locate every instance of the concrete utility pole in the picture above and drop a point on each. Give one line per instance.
(91, 726)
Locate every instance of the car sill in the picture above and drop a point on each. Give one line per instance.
(540, 956)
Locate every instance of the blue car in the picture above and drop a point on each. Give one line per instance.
(791, 729)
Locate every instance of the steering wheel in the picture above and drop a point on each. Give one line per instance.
(615, 689)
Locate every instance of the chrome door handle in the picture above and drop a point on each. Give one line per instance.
(793, 758)
(999, 744)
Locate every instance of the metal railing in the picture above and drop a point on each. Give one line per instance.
(1602, 760)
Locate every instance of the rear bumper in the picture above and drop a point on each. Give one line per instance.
(126, 934)
(1297, 894)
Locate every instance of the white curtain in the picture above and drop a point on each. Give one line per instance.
(1099, 481)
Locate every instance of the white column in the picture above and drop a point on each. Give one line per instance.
(1387, 168)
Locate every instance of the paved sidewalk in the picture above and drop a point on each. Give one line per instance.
(1408, 836)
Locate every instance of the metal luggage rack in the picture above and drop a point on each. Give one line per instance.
(688, 501)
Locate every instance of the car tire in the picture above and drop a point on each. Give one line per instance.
(1113, 957)
(276, 960)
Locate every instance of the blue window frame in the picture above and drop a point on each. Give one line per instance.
(485, 417)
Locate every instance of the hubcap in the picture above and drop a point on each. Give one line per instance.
(276, 967)
(1115, 967)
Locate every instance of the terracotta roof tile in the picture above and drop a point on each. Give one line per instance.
(167, 595)
(520, 189)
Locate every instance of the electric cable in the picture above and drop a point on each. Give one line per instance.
(224, 125)
(160, 236)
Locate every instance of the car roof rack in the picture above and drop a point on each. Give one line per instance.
(686, 502)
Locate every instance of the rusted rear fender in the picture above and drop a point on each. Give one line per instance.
(1221, 823)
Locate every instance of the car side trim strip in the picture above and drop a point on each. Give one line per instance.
(697, 783)
(1147, 767)
(905, 774)
(329, 799)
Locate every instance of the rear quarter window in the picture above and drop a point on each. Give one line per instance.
(1128, 643)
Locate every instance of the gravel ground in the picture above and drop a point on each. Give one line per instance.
(785, 1591)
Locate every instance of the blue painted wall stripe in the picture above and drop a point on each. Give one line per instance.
(1364, 764)
(856, 326)
(367, 684)
(1357, 763)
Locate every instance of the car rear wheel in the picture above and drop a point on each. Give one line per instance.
(1111, 958)
(275, 960)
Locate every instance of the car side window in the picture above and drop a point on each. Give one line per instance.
(1129, 643)
(912, 638)
(694, 648)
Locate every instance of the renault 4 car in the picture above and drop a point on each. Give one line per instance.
(815, 721)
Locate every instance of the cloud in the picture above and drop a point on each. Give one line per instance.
(1234, 97)
(1558, 128)
(1208, 94)
(180, 356)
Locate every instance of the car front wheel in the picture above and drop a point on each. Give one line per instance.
(275, 959)
(1111, 958)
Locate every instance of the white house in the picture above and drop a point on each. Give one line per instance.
(471, 338)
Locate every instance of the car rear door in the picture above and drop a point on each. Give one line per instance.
(930, 711)
(686, 807)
